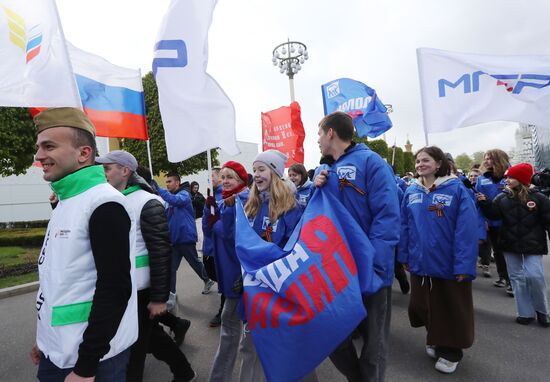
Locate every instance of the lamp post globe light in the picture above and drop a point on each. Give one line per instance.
(289, 58)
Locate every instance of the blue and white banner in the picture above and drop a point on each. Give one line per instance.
(361, 102)
(196, 113)
(464, 89)
(304, 300)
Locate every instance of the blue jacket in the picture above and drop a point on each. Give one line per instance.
(369, 193)
(303, 193)
(401, 183)
(222, 237)
(491, 188)
(439, 241)
(281, 229)
(481, 230)
(181, 216)
(207, 246)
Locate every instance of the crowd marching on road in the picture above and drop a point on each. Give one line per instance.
(116, 239)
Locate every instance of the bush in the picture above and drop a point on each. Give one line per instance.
(26, 224)
(32, 237)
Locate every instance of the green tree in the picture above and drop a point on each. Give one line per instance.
(478, 157)
(158, 145)
(408, 162)
(379, 146)
(398, 160)
(464, 162)
(17, 137)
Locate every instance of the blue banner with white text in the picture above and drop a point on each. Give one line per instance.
(361, 102)
(304, 300)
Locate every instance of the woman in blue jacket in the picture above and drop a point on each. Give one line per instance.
(297, 174)
(273, 214)
(438, 245)
(220, 228)
(491, 183)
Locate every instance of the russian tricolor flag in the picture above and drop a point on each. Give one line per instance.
(112, 96)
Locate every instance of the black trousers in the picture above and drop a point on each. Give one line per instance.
(138, 351)
(163, 348)
(493, 235)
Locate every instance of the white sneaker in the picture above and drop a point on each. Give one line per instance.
(445, 366)
(430, 351)
(171, 303)
(207, 286)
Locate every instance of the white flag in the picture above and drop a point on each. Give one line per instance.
(460, 89)
(197, 115)
(35, 70)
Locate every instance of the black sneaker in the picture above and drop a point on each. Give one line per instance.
(500, 283)
(543, 320)
(524, 320)
(190, 378)
(216, 321)
(180, 330)
(509, 290)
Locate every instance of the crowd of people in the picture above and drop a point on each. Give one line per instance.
(116, 238)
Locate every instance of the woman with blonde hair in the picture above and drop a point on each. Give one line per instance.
(273, 214)
(525, 215)
(491, 183)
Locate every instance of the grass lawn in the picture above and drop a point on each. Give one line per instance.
(18, 280)
(18, 255)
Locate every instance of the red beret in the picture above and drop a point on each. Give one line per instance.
(238, 168)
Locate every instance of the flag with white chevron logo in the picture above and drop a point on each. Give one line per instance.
(35, 70)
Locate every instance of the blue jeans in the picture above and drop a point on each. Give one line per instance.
(230, 335)
(526, 274)
(189, 252)
(110, 370)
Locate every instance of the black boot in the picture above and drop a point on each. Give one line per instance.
(543, 320)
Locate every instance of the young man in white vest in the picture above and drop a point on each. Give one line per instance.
(153, 261)
(87, 298)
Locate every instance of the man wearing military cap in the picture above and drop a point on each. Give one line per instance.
(87, 298)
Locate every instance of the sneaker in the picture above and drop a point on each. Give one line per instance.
(430, 351)
(509, 290)
(192, 378)
(216, 321)
(500, 283)
(485, 270)
(207, 286)
(445, 366)
(171, 303)
(180, 330)
(543, 319)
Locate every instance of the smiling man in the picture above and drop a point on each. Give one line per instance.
(87, 298)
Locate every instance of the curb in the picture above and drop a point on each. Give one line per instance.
(19, 289)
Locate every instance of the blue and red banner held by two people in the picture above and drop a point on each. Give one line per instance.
(361, 102)
(304, 300)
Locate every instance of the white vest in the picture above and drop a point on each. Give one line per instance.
(136, 201)
(68, 277)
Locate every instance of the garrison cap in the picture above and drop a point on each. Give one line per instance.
(63, 117)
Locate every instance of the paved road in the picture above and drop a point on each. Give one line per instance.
(503, 350)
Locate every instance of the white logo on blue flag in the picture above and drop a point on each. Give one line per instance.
(333, 89)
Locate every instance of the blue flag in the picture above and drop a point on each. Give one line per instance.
(302, 301)
(360, 101)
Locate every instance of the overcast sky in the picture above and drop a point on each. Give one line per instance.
(370, 41)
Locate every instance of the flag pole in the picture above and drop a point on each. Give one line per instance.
(149, 157)
(393, 155)
(209, 180)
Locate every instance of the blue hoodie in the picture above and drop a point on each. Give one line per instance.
(490, 188)
(181, 216)
(401, 183)
(282, 228)
(369, 193)
(207, 246)
(303, 193)
(222, 237)
(439, 241)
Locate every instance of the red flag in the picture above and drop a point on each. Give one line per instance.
(282, 130)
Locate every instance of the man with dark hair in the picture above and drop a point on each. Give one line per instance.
(364, 183)
(183, 233)
(153, 261)
(87, 298)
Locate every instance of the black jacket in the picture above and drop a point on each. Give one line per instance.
(524, 225)
(198, 204)
(154, 229)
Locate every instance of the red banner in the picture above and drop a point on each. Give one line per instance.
(282, 130)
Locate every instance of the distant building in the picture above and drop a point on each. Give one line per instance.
(524, 151)
(408, 146)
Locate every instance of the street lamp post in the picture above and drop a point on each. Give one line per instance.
(289, 57)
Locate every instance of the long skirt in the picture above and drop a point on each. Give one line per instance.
(445, 308)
